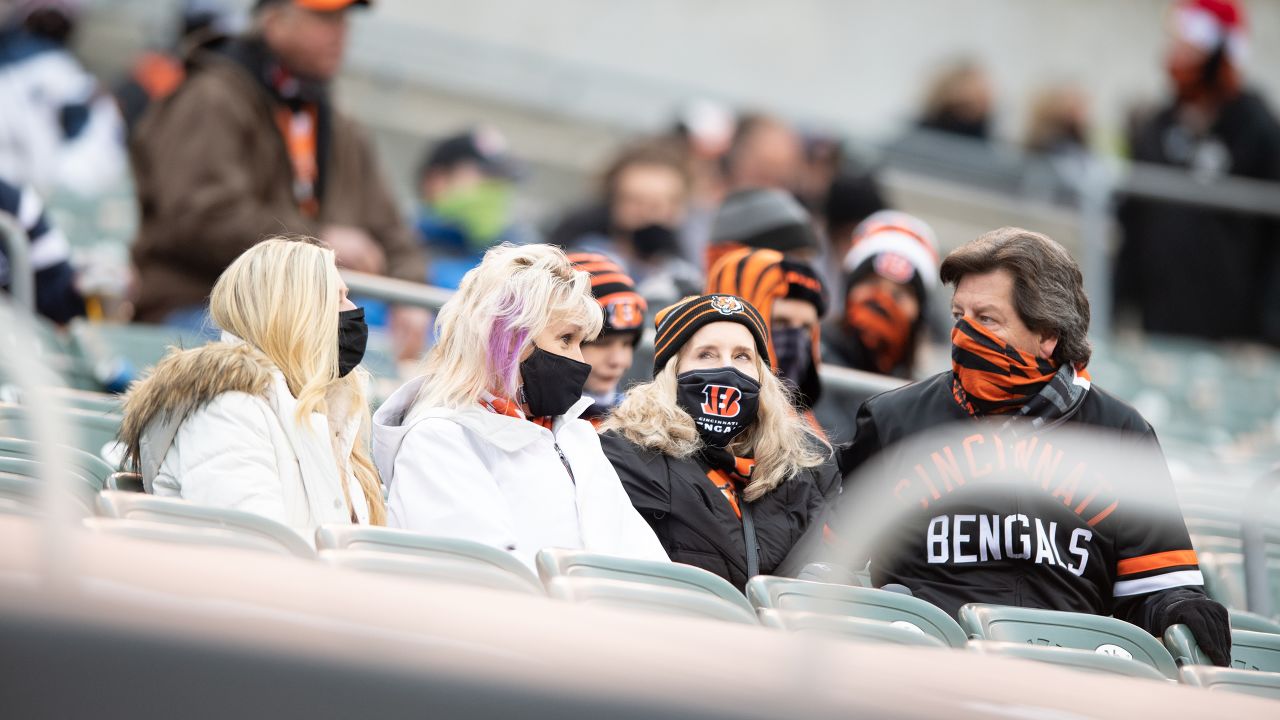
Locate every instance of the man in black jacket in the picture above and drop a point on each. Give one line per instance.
(1019, 352)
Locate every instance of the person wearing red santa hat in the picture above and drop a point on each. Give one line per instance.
(1192, 270)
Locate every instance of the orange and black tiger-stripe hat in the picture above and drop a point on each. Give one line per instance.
(615, 291)
(677, 323)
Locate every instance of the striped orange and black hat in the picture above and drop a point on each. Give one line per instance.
(677, 323)
(623, 307)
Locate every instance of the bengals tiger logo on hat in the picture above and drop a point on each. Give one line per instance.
(625, 313)
(726, 304)
(721, 401)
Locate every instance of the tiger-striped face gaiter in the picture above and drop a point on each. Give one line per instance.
(990, 376)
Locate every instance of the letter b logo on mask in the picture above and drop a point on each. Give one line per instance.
(721, 401)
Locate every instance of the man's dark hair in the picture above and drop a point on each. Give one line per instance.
(1048, 289)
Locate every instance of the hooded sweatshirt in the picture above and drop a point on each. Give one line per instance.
(504, 481)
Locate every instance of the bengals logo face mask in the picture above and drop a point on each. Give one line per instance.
(722, 402)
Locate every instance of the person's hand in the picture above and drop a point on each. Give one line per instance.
(355, 249)
(1208, 622)
(408, 326)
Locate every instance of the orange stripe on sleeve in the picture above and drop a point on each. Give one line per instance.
(1156, 561)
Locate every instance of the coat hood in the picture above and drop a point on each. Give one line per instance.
(187, 380)
(397, 416)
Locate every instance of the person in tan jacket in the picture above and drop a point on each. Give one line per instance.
(251, 146)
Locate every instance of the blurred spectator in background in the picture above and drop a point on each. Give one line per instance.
(704, 130)
(792, 300)
(155, 74)
(466, 185)
(58, 130)
(1194, 270)
(251, 145)
(765, 218)
(890, 272)
(851, 198)
(611, 353)
(823, 158)
(49, 254)
(489, 445)
(645, 201)
(273, 420)
(766, 152)
(960, 102)
(1059, 161)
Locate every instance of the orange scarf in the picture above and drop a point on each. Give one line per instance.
(502, 406)
(299, 132)
(990, 376)
(728, 482)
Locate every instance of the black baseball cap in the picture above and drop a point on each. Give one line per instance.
(484, 146)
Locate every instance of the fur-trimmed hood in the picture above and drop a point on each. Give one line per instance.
(187, 380)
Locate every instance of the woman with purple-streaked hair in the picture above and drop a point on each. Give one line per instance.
(488, 444)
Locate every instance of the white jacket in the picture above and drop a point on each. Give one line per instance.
(499, 480)
(243, 449)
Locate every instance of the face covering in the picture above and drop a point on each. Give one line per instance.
(721, 401)
(990, 376)
(652, 240)
(353, 336)
(481, 212)
(882, 328)
(552, 383)
(793, 349)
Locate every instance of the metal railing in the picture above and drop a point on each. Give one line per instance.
(17, 248)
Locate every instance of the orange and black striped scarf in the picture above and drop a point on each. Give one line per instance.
(992, 377)
(502, 406)
(729, 473)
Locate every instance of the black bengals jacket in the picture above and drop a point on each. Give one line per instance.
(696, 523)
(1060, 539)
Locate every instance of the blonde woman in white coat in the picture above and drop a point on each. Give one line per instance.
(488, 445)
(271, 420)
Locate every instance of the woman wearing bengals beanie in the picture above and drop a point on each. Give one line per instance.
(611, 353)
(711, 452)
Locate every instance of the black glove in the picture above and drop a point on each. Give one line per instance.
(1208, 622)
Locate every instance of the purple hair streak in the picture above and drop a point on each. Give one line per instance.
(505, 343)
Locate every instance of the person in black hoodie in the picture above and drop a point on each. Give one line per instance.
(1019, 356)
(712, 453)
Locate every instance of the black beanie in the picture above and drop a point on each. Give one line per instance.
(803, 283)
(677, 323)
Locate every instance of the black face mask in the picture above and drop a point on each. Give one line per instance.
(552, 383)
(721, 401)
(353, 336)
(653, 240)
(793, 349)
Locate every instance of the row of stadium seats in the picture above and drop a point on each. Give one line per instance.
(1084, 642)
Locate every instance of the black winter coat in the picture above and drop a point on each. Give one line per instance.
(695, 522)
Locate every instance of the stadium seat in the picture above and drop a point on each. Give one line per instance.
(1069, 657)
(125, 482)
(1248, 682)
(1249, 650)
(20, 495)
(776, 593)
(104, 403)
(365, 539)
(558, 562)
(32, 469)
(1242, 620)
(169, 533)
(435, 568)
(664, 599)
(1081, 631)
(848, 627)
(93, 430)
(137, 506)
(92, 468)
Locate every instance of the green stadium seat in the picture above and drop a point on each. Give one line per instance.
(365, 539)
(1242, 620)
(1069, 657)
(558, 562)
(1249, 650)
(138, 506)
(93, 430)
(171, 534)
(20, 494)
(648, 598)
(844, 626)
(434, 568)
(776, 593)
(91, 468)
(104, 403)
(1081, 631)
(1248, 682)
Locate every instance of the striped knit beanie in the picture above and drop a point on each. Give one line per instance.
(677, 323)
(623, 307)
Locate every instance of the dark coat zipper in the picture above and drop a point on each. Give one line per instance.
(565, 461)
